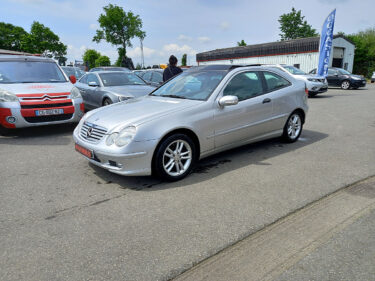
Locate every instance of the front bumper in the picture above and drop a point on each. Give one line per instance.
(315, 88)
(132, 160)
(13, 116)
(357, 83)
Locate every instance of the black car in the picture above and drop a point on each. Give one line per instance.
(153, 77)
(343, 78)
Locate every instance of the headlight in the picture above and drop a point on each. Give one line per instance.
(122, 138)
(123, 98)
(356, 78)
(125, 136)
(313, 79)
(75, 94)
(111, 139)
(7, 96)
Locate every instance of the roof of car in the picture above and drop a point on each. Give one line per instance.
(24, 58)
(107, 71)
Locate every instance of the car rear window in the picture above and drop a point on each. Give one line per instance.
(30, 72)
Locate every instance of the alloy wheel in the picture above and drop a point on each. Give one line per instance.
(294, 126)
(177, 158)
(345, 85)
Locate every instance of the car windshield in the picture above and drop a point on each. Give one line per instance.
(294, 70)
(73, 71)
(191, 85)
(30, 72)
(120, 79)
(343, 71)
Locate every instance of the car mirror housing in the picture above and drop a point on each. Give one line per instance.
(228, 100)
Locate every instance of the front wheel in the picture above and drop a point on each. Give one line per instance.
(345, 85)
(175, 157)
(107, 101)
(293, 127)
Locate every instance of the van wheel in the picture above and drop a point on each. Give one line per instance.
(293, 127)
(174, 158)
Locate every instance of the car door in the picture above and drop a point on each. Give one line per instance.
(94, 93)
(84, 89)
(333, 78)
(245, 120)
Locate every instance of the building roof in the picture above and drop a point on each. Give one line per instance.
(303, 45)
(9, 52)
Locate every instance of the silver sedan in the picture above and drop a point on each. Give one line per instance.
(203, 111)
(107, 87)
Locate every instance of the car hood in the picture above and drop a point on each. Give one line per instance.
(131, 90)
(137, 111)
(305, 76)
(38, 88)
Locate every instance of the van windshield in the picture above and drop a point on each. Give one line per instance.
(30, 72)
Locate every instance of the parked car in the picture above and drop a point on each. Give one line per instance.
(107, 87)
(154, 76)
(72, 70)
(34, 91)
(339, 77)
(373, 77)
(109, 68)
(200, 112)
(315, 84)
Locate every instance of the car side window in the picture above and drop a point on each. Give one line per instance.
(147, 76)
(157, 77)
(331, 72)
(274, 81)
(83, 80)
(313, 71)
(92, 78)
(245, 85)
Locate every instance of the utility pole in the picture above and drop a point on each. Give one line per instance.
(142, 56)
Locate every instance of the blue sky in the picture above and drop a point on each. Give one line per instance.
(177, 27)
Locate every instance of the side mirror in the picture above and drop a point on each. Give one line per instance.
(72, 79)
(228, 100)
(93, 84)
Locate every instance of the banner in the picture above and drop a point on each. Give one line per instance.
(325, 46)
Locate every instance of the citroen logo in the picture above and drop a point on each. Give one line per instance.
(89, 132)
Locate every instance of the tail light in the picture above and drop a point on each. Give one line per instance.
(306, 90)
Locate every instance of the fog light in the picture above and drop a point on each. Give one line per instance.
(11, 119)
(314, 88)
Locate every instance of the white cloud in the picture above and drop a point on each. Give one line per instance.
(204, 39)
(224, 25)
(136, 52)
(185, 38)
(176, 49)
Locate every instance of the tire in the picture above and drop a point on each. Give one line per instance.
(107, 101)
(4, 131)
(293, 127)
(345, 85)
(311, 95)
(174, 157)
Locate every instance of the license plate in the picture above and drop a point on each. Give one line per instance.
(86, 152)
(44, 112)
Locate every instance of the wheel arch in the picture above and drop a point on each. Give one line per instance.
(303, 114)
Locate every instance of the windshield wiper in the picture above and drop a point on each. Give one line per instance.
(173, 96)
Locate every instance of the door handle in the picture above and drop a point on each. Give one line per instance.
(267, 100)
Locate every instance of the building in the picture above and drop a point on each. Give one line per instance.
(302, 53)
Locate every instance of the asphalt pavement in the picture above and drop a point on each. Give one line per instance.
(64, 219)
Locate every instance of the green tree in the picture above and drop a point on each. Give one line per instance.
(293, 26)
(138, 67)
(103, 61)
(183, 60)
(118, 28)
(90, 56)
(11, 36)
(364, 54)
(241, 43)
(41, 40)
(121, 56)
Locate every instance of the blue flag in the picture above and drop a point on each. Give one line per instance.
(325, 47)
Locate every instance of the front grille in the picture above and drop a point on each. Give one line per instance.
(43, 98)
(46, 105)
(49, 118)
(92, 132)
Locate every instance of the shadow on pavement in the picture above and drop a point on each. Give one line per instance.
(60, 134)
(208, 168)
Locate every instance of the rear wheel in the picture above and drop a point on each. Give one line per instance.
(107, 101)
(345, 85)
(293, 127)
(175, 157)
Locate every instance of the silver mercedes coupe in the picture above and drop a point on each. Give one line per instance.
(201, 112)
